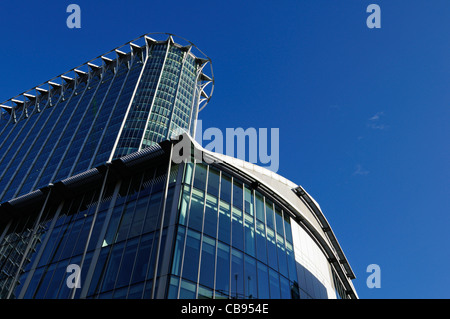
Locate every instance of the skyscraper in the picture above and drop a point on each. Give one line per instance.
(90, 184)
(125, 100)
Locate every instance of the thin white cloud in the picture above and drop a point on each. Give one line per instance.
(374, 122)
(360, 171)
(376, 116)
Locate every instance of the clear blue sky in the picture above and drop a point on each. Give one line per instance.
(363, 113)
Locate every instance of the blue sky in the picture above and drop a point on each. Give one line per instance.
(363, 113)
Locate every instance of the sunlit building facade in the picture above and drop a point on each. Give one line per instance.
(134, 221)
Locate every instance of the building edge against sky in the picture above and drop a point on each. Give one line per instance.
(141, 226)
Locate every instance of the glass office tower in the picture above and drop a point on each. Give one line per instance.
(136, 223)
(123, 101)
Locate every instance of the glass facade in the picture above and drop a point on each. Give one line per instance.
(115, 107)
(230, 244)
(113, 234)
(164, 99)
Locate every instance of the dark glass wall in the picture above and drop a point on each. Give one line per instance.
(68, 130)
(115, 233)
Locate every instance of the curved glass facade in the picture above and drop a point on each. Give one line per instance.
(232, 241)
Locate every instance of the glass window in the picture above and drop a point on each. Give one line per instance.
(237, 194)
(204, 293)
(260, 208)
(207, 262)
(184, 203)
(279, 221)
(99, 269)
(152, 217)
(261, 244)
(224, 222)
(70, 247)
(173, 288)
(274, 282)
(237, 231)
(152, 262)
(285, 288)
(168, 206)
(148, 286)
(213, 181)
(248, 199)
(107, 295)
(34, 282)
(251, 284)
(136, 291)
(196, 210)
(96, 231)
(210, 227)
(263, 282)
(55, 283)
(237, 274)
(173, 173)
(188, 173)
(178, 253)
(127, 264)
(291, 262)
(295, 290)
(200, 176)
(143, 258)
(43, 284)
(187, 290)
(282, 261)
(272, 249)
(113, 224)
(287, 227)
(191, 256)
(269, 215)
(223, 268)
(249, 234)
(84, 270)
(125, 223)
(113, 267)
(62, 249)
(225, 188)
(120, 293)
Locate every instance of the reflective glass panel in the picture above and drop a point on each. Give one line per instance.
(223, 269)
(207, 262)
